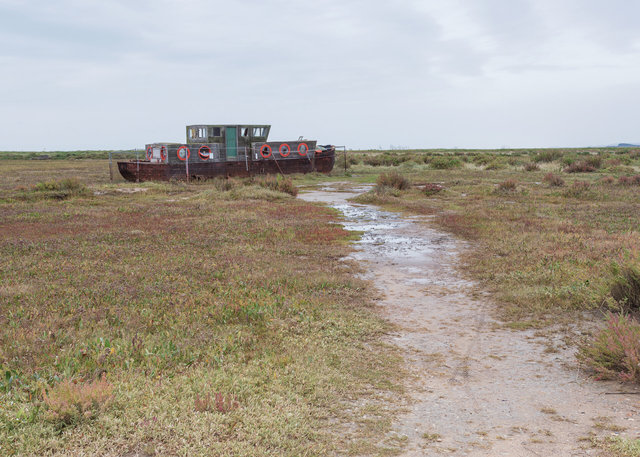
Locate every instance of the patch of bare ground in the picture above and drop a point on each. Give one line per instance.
(476, 387)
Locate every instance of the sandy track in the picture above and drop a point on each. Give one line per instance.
(477, 388)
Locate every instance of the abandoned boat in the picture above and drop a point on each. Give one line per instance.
(227, 150)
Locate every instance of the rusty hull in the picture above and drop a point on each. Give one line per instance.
(136, 171)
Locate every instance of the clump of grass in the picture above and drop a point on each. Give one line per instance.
(445, 163)
(496, 165)
(432, 189)
(220, 403)
(61, 189)
(509, 185)
(69, 402)
(580, 167)
(553, 180)
(394, 180)
(225, 184)
(531, 166)
(614, 353)
(255, 192)
(547, 156)
(626, 287)
(629, 180)
(578, 189)
(608, 180)
(277, 183)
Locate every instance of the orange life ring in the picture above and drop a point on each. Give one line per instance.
(149, 153)
(262, 149)
(282, 147)
(187, 155)
(202, 155)
(303, 152)
(163, 153)
(318, 151)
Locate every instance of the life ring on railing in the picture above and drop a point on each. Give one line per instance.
(303, 150)
(318, 151)
(149, 153)
(262, 151)
(183, 156)
(163, 153)
(204, 156)
(283, 147)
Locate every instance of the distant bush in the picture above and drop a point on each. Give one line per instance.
(445, 162)
(496, 165)
(354, 160)
(580, 167)
(578, 189)
(553, 180)
(393, 179)
(531, 166)
(483, 159)
(547, 156)
(629, 180)
(615, 351)
(594, 161)
(372, 160)
(608, 180)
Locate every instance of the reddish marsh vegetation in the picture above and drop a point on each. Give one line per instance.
(122, 311)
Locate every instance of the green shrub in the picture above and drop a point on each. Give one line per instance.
(372, 160)
(61, 189)
(496, 165)
(394, 180)
(445, 163)
(547, 156)
(626, 287)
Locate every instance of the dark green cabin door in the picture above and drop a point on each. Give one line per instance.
(231, 138)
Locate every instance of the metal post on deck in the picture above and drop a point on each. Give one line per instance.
(137, 166)
(110, 168)
(187, 164)
(344, 150)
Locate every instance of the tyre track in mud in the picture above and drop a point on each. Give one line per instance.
(475, 387)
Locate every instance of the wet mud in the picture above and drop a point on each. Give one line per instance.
(476, 388)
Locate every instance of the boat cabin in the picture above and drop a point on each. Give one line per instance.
(228, 143)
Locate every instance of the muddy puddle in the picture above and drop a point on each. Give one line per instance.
(476, 388)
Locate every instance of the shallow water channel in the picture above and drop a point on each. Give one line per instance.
(475, 387)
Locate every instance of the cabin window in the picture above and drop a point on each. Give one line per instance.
(216, 131)
(244, 131)
(259, 131)
(192, 133)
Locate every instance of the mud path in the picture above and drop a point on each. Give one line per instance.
(477, 388)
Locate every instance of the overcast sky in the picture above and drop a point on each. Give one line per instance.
(103, 74)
